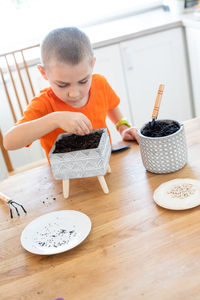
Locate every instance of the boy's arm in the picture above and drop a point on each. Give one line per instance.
(23, 134)
(127, 133)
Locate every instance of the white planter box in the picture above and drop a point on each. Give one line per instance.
(81, 163)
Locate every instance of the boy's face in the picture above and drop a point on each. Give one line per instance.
(70, 83)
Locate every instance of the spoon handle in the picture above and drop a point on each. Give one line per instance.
(158, 101)
(4, 198)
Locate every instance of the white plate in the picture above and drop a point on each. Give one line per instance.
(169, 194)
(56, 232)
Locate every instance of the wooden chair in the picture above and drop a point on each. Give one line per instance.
(19, 90)
(6, 157)
(8, 163)
(10, 65)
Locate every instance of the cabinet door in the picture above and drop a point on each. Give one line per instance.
(149, 61)
(108, 63)
(193, 40)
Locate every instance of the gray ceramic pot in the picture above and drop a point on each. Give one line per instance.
(81, 163)
(164, 154)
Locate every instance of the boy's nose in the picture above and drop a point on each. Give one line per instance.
(73, 93)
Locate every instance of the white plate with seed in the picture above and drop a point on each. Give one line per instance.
(178, 194)
(56, 232)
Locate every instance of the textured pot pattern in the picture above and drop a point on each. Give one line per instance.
(81, 163)
(164, 154)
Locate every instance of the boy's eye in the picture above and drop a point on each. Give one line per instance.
(83, 82)
(62, 86)
(66, 85)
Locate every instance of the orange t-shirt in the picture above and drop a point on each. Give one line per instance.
(102, 98)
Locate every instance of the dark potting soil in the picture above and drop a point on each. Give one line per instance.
(77, 142)
(160, 129)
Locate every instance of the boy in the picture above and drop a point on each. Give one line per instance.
(76, 100)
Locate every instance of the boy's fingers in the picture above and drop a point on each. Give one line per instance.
(131, 135)
(134, 136)
(84, 128)
(128, 136)
(87, 122)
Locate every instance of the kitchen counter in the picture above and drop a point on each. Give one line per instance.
(131, 27)
(190, 21)
(138, 25)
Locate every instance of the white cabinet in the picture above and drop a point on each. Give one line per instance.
(149, 61)
(108, 63)
(193, 40)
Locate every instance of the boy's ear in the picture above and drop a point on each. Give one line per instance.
(93, 63)
(42, 71)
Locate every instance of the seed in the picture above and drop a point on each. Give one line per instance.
(182, 191)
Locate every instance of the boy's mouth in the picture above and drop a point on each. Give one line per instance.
(77, 102)
(73, 100)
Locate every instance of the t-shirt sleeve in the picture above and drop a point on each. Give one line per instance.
(35, 110)
(113, 99)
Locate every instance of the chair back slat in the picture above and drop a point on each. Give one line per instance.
(8, 97)
(14, 86)
(20, 78)
(6, 157)
(28, 75)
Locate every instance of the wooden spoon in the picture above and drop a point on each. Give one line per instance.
(157, 105)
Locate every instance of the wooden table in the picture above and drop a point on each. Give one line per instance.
(136, 250)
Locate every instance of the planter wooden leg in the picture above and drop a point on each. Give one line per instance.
(103, 184)
(109, 169)
(66, 188)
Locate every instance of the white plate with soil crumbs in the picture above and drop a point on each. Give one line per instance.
(178, 194)
(56, 232)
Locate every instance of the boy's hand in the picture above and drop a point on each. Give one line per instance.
(128, 133)
(73, 122)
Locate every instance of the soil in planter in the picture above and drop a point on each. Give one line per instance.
(77, 142)
(160, 128)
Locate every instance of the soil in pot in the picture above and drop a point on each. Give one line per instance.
(160, 128)
(77, 142)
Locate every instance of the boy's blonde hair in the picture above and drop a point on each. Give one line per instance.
(66, 45)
